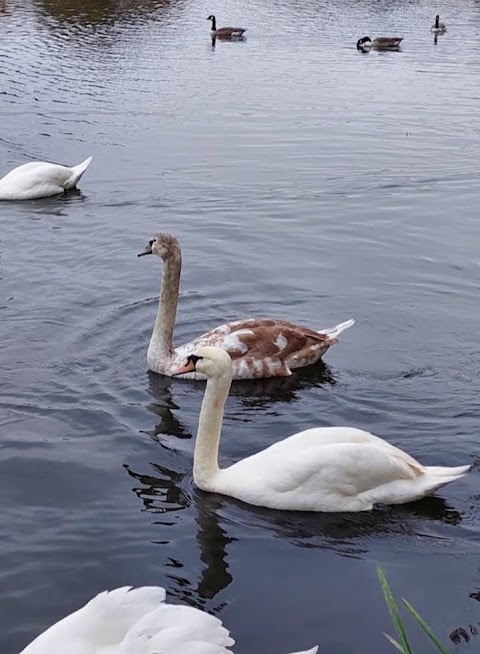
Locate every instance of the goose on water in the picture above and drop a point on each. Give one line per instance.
(263, 347)
(379, 43)
(40, 179)
(135, 621)
(224, 32)
(438, 27)
(320, 469)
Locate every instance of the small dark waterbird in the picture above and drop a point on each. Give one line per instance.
(438, 27)
(225, 32)
(379, 43)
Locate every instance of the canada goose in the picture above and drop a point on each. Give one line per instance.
(379, 43)
(438, 27)
(224, 32)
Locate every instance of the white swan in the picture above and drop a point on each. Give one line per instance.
(40, 179)
(258, 347)
(135, 621)
(322, 469)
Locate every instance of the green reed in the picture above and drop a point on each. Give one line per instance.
(402, 643)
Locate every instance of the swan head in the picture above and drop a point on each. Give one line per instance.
(209, 360)
(163, 245)
(365, 42)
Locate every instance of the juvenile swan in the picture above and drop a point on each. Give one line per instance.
(135, 621)
(263, 347)
(40, 179)
(322, 469)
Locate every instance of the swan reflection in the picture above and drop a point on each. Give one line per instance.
(253, 394)
(161, 493)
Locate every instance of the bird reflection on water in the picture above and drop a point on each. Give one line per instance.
(258, 394)
(164, 494)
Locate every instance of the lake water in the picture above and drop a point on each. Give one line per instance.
(304, 180)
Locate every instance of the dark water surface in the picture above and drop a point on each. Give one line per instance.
(304, 180)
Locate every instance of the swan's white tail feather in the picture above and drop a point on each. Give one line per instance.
(436, 477)
(314, 650)
(77, 172)
(333, 332)
(442, 471)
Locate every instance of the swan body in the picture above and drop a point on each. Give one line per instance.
(225, 32)
(379, 43)
(438, 27)
(135, 621)
(258, 347)
(39, 179)
(322, 469)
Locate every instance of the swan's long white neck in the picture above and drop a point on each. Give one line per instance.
(205, 458)
(162, 336)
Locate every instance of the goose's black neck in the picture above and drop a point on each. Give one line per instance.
(437, 21)
(214, 23)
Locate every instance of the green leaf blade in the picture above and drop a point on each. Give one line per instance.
(394, 614)
(424, 626)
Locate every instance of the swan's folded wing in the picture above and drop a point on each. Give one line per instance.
(105, 620)
(171, 626)
(267, 346)
(344, 468)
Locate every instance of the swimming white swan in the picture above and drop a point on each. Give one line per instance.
(258, 347)
(322, 469)
(40, 179)
(135, 621)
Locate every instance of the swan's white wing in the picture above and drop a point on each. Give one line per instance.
(319, 436)
(343, 468)
(101, 623)
(327, 478)
(170, 626)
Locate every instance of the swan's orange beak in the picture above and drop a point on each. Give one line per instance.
(188, 367)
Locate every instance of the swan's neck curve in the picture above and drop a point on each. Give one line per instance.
(205, 458)
(162, 337)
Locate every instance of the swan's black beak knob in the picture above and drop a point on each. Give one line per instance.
(148, 250)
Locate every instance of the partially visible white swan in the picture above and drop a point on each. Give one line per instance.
(40, 179)
(135, 621)
(322, 469)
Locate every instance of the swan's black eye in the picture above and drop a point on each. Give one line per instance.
(193, 359)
